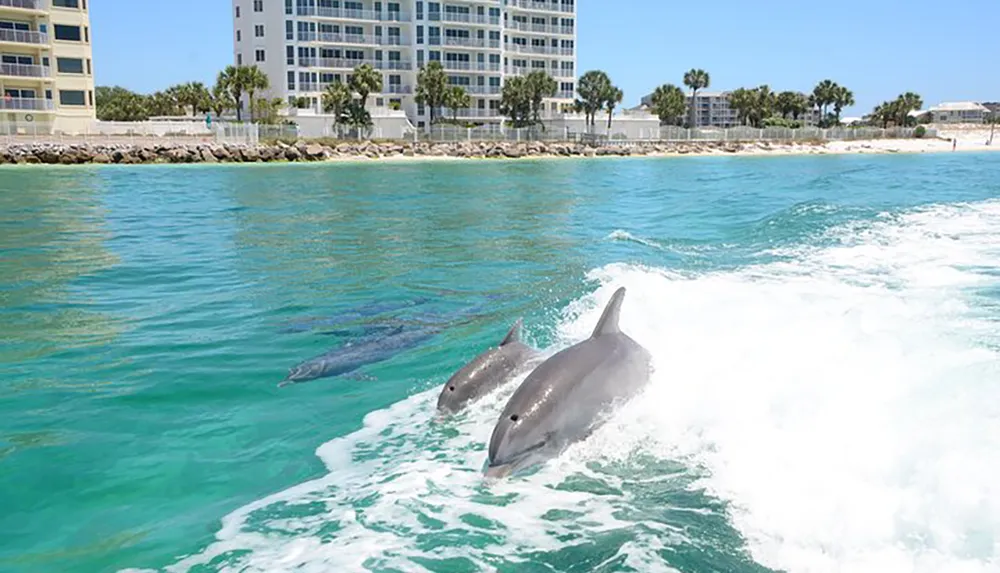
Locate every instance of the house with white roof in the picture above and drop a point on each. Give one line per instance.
(958, 112)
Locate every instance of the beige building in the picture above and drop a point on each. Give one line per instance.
(957, 112)
(46, 72)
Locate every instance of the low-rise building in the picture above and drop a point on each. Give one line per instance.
(713, 110)
(46, 70)
(959, 112)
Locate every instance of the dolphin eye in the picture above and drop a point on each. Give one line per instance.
(451, 388)
(514, 418)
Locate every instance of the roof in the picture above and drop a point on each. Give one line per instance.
(959, 106)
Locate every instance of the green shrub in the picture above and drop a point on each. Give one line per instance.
(920, 131)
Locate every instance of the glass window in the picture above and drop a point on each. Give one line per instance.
(72, 97)
(68, 33)
(66, 3)
(69, 65)
(260, 55)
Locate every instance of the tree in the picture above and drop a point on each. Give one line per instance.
(233, 79)
(457, 98)
(256, 80)
(432, 86)
(593, 88)
(119, 104)
(163, 104)
(824, 94)
(906, 103)
(266, 110)
(668, 103)
(365, 80)
(539, 85)
(612, 98)
(515, 101)
(220, 101)
(336, 99)
(753, 106)
(791, 103)
(696, 80)
(741, 100)
(842, 97)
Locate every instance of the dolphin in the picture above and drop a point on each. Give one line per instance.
(352, 356)
(492, 368)
(568, 395)
(366, 310)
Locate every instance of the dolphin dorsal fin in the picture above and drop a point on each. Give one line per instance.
(514, 334)
(608, 324)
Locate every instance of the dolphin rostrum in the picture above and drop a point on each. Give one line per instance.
(486, 372)
(352, 356)
(568, 396)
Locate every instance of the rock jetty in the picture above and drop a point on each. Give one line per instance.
(171, 152)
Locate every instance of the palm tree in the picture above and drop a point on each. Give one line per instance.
(842, 97)
(199, 97)
(365, 80)
(612, 98)
(220, 100)
(742, 101)
(906, 103)
(668, 103)
(515, 100)
(457, 98)
(256, 80)
(593, 88)
(336, 100)
(823, 95)
(696, 80)
(233, 79)
(539, 85)
(432, 86)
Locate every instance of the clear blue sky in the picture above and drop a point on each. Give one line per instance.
(945, 51)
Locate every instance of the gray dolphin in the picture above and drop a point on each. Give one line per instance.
(493, 367)
(566, 397)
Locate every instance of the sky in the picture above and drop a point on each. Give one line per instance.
(944, 51)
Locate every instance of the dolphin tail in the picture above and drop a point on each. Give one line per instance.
(514, 334)
(608, 324)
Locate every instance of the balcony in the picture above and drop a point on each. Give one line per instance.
(24, 71)
(520, 71)
(467, 112)
(345, 14)
(545, 6)
(564, 95)
(481, 90)
(463, 18)
(463, 66)
(456, 42)
(23, 37)
(362, 39)
(540, 28)
(34, 5)
(25, 104)
(397, 89)
(342, 64)
(544, 50)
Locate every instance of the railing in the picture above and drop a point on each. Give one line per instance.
(535, 5)
(26, 104)
(480, 90)
(455, 65)
(464, 42)
(397, 89)
(549, 50)
(342, 64)
(23, 36)
(540, 28)
(467, 112)
(464, 18)
(564, 95)
(23, 4)
(346, 14)
(521, 71)
(309, 87)
(24, 70)
(335, 38)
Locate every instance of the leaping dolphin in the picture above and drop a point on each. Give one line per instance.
(493, 367)
(566, 397)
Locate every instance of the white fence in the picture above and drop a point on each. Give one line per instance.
(670, 133)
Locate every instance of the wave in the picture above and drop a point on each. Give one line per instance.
(832, 411)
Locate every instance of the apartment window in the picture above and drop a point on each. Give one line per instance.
(89, 73)
(69, 65)
(420, 34)
(259, 56)
(258, 30)
(258, 5)
(72, 97)
(420, 10)
(68, 33)
(90, 97)
(66, 3)
(239, 59)
(289, 30)
(291, 80)
(86, 34)
(239, 37)
(288, 7)
(237, 11)
(290, 55)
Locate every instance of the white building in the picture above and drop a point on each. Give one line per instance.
(713, 110)
(304, 45)
(46, 69)
(958, 112)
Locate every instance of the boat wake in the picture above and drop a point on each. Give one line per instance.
(832, 411)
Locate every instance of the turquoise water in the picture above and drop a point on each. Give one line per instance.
(824, 331)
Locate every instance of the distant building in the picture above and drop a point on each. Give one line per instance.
(959, 112)
(994, 108)
(46, 74)
(712, 110)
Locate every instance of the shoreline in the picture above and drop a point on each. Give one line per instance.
(364, 152)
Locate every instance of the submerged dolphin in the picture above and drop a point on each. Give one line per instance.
(486, 372)
(566, 397)
(352, 356)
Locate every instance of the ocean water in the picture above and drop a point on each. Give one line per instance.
(826, 394)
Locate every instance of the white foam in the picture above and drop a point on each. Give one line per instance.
(842, 401)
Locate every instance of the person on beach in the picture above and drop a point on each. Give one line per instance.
(954, 142)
